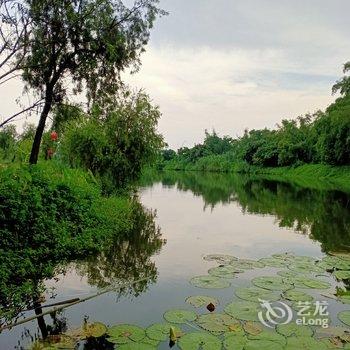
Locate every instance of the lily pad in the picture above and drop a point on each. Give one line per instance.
(137, 346)
(160, 331)
(234, 341)
(339, 332)
(297, 295)
(124, 333)
(271, 283)
(317, 284)
(225, 271)
(252, 328)
(294, 330)
(270, 335)
(262, 345)
(210, 282)
(179, 316)
(273, 262)
(342, 275)
(216, 323)
(243, 310)
(201, 300)
(287, 274)
(88, 330)
(304, 343)
(254, 294)
(344, 316)
(220, 258)
(247, 264)
(337, 263)
(199, 341)
(307, 282)
(305, 268)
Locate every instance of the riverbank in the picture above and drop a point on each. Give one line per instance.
(318, 176)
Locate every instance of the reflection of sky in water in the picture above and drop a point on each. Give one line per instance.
(191, 231)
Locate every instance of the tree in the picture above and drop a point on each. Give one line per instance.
(343, 85)
(79, 44)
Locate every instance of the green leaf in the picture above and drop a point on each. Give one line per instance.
(220, 258)
(201, 300)
(216, 323)
(294, 330)
(304, 343)
(234, 341)
(199, 341)
(342, 275)
(303, 267)
(123, 333)
(344, 316)
(269, 335)
(262, 345)
(252, 328)
(210, 282)
(296, 295)
(273, 262)
(226, 271)
(271, 283)
(254, 294)
(179, 316)
(137, 346)
(243, 310)
(160, 331)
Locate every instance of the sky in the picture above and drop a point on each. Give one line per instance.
(232, 65)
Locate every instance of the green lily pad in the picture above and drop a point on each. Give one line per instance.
(307, 282)
(234, 341)
(271, 283)
(288, 256)
(199, 341)
(305, 268)
(247, 264)
(294, 330)
(88, 330)
(344, 316)
(160, 331)
(297, 295)
(216, 323)
(210, 282)
(262, 345)
(201, 300)
(339, 332)
(273, 262)
(243, 310)
(179, 316)
(287, 274)
(316, 284)
(137, 346)
(225, 271)
(270, 335)
(124, 333)
(304, 343)
(342, 255)
(220, 258)
(252, 328)
(337, 263)
(304, 259)
(254, 294)
(56, 342)
(342, 275)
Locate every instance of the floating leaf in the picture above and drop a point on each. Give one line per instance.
(284, 256)
(220, 258)
(225, 271)
(305, 267)
(160, 331)
(340, 332)
(54, 342)
(262, 345)
(179, 316)
(216, 323)
(337, 263)
(201, 300)
(252, 328)
(123, 333)
(287, 274)
(344, 316)
(296, 295)
(137, 346)
(307, 282)
(342, 275)
(273, 262)
(304, 343)
(210, 282)
(294, 330)
(342, 255)
(234, 341)
(255, 293)
(247, 264)
(198, 340)
(272, 336)
(271, 283)
(243, 310)
(316, 284)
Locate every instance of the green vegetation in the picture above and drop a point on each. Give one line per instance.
(321, 139)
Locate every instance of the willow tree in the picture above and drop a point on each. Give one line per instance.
(75, 46)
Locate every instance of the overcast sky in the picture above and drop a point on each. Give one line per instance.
(234, 64)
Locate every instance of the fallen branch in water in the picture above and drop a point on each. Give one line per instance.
(55, 309)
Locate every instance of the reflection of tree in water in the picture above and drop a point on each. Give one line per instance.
(321, 213)
(127, 259)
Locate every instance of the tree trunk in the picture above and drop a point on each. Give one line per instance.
(41, 126)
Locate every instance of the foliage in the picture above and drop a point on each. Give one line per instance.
(49, 215)
(114, 146)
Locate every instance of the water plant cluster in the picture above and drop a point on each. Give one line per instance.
(206, 323)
